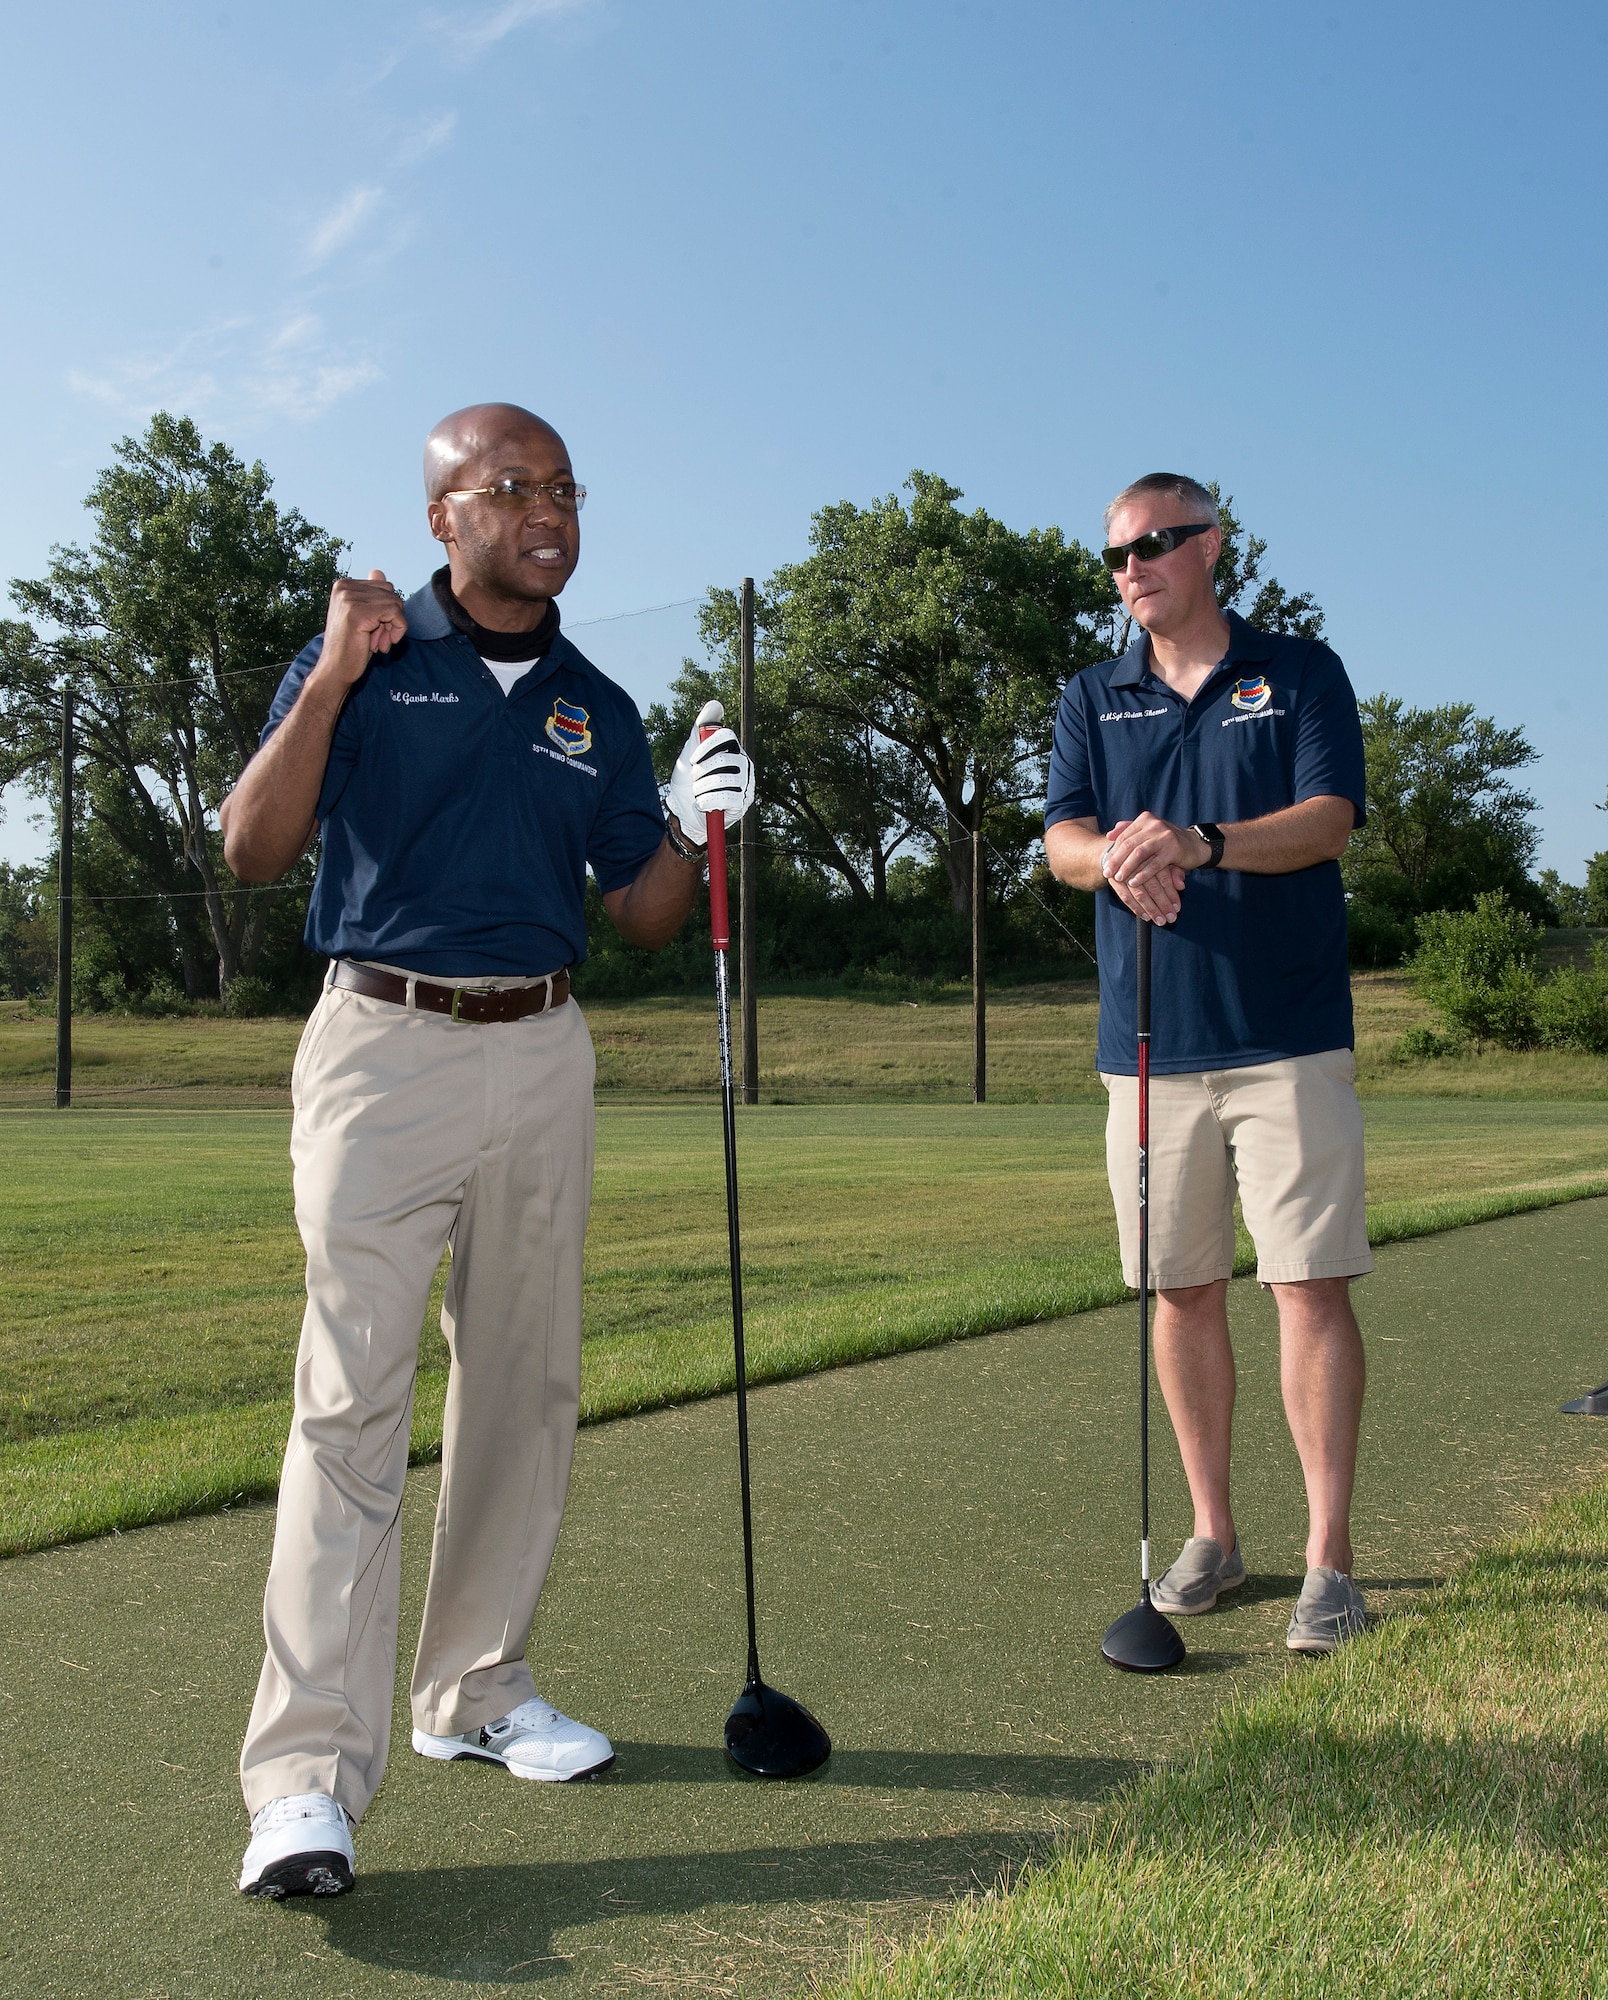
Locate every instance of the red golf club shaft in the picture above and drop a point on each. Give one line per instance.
(1142, 1024)
(720, 931)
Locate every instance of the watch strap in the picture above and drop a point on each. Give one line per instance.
(1213, 837)
(680, 844)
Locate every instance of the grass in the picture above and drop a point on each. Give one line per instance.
(942, 1537)
(154, 1295)
(1425, 1814)
(812, 1049)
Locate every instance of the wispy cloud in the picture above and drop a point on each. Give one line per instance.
(343, 222)
(232, 370)
(422, 144)
(468, 36)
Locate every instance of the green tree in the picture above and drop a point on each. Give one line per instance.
(27, 932)
(172, 629)
(1446, 823)
(907, 674)
(1239, 568)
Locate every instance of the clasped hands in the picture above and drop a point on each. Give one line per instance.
(1145, 861)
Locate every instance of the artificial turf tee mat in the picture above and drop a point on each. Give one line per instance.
(942, 1538)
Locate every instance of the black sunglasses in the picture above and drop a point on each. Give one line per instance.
(1159, 542)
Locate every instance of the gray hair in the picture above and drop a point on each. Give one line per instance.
(1195, 500)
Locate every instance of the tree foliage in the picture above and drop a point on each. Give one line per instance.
(906, 678)
(1446, 822)
(172, 629)
(1478, 968)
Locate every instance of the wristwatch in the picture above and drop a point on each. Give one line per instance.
(1213, 837)
(680, 844)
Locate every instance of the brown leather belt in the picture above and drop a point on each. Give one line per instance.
(462, 1003)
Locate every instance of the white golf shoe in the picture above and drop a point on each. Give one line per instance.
(532, 1741)
(300, 1846)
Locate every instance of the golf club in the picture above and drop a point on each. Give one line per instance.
(1593, 1404)
(1142, 1641)
(767, 1733)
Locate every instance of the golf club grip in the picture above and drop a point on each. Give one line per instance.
(1144, 976)
(715, 833)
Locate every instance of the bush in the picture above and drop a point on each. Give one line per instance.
(1376, 936)
(1425, 1045)
(248, 998)
(1597, 889)
(1477, 968)
(1571, 1008)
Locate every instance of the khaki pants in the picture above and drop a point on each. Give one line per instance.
(413, 1132)
(1287, 1135)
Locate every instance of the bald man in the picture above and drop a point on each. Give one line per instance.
(463, 766)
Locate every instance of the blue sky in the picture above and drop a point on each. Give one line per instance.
(1348, 260)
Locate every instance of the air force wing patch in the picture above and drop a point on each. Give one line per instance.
(568, 727)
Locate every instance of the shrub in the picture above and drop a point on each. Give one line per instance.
(1377, 936)
(162, 997)
(1571, 1008)
(1477, 968)
(1597, 889)
(1425, 1045)
(248, 998)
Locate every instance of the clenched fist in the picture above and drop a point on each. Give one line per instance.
(365, 618)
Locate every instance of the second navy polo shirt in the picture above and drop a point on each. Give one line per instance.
(458, 822)
(1255, 968)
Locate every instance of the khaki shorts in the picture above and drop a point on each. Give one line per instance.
(1287, 1135)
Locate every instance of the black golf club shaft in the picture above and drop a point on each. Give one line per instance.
(720, 927)
(1143, 1024)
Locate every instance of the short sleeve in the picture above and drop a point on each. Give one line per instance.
(344, 743)
(1071, 791)
(1328, 757)
(629, 828)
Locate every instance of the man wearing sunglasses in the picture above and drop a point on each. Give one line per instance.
(464, 766)
(1208, 781)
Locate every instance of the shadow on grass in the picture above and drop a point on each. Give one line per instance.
(1014, 1777)
(502, 1923)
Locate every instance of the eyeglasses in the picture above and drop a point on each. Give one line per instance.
(1159, 542)
(564, 493)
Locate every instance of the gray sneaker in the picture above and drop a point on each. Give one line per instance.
(1195, 1580)
(1328, 1612)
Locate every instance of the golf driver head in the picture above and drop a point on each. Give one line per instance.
(1142, 1641)
(772, 1736)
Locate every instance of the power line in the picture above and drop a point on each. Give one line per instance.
(283, 666)
(159, 895)
(614, 617)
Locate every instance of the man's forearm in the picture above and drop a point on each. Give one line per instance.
(651, 909)
(1073, 849)
(1295, 837)
(269, 817)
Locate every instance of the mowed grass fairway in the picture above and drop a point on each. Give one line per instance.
(942, 1537)
(814, 1049)
(154, 1290)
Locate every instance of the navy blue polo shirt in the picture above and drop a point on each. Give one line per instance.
(1255, 967)
(457, 821)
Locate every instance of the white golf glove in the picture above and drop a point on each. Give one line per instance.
(716, 775)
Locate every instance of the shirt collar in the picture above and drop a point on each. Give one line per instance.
(1245, 643)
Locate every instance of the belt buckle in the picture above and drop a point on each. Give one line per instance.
(457, 994)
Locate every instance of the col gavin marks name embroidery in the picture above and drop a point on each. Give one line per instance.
(568, 727)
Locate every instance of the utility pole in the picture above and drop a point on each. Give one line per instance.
(748, 868)
(979, 991)
(64, 915)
